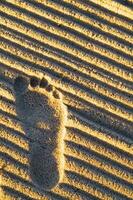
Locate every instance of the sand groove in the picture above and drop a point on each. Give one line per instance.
(107, 91)
(84, 41)
(63, 44)
(91, 98)
(85, 49)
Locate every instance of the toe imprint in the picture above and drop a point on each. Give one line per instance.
(49, 88)
(43, 83)
(34, 81)
(44, 116)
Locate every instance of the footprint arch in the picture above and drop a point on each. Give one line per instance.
(39, 105)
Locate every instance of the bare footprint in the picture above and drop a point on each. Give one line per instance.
(39, 105)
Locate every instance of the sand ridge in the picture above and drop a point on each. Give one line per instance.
(85, 49)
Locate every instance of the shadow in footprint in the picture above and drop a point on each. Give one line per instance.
(39, 106)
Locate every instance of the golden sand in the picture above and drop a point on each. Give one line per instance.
(73, 137)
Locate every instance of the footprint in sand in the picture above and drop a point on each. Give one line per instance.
(39, 105)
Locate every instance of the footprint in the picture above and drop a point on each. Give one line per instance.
(39, 105)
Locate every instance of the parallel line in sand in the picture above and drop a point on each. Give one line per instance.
(66, 102)
(74, 42)
(74, 152)
(17, 194)
(105, 134)
(125, 73)
(19, 184)
(77, 183)
(74, 66)
(101, 153)
(79, 11)
(10, 106)
(11, 191)
(104, 150)
(69, 167)
(11, 170)
(103, 129)
(99, 116)
(5, 92)
(115, 8)
(54, 16)
(71, 21)
(100, 132)
(92, 186)
(21, 172)
(91, 7)
(98, 160)
(75, 193)
(14, 136)
(93, 95)
(12, 194)
(14, 166)
(21, 157)
(25, 188)
(94, 174)
(83, 181)
(14, 147)
(100, 102)
(76, 74)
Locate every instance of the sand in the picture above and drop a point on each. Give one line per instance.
(66, 100)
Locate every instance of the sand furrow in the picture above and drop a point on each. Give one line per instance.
(9, 107)
(98, 11)
(94, 174)
(102, 163)
(70, 165)
(109, 135)
(115, 8)
(125, 146)
(9, 180)
(70, 71)
(59, 10)
(72, 178)
(93, 145)
(10, 150)
(92, 98)
(103, 150)
(12, 165)
(93, 187)
(5, 92)
(97, 58)
(84, 49)
(14, 136)
(88, 111)
(44, 36)
(114, 154)
(67, 60)
(12, 194)
(25, 187)
(54, 16)
(5, 106)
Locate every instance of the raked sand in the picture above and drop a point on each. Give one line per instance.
(70, 136)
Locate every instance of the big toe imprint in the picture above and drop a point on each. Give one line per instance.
(44, 116)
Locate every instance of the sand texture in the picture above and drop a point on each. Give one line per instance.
(66, 100)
